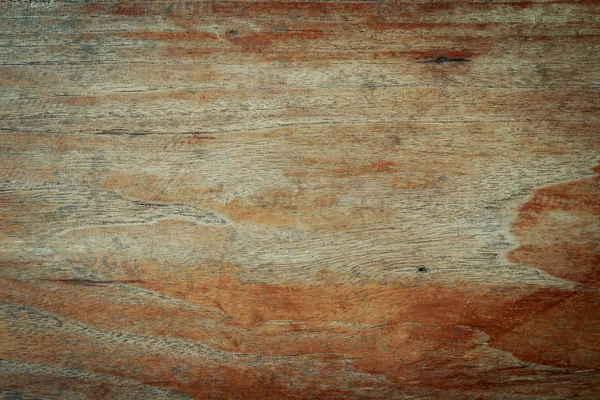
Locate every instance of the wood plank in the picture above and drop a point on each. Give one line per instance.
(275, 200)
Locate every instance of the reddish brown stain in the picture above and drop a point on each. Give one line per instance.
(297, 9)
(251, 305)
(564, 334)
(93, 8)
(557, 231)
(572, 261)
(128, 10)
(385, 329)
(325, 10)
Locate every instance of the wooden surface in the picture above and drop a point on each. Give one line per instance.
(315, 200)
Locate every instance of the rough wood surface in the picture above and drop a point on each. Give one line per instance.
(265, 200)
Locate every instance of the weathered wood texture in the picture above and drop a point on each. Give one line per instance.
(233, 199)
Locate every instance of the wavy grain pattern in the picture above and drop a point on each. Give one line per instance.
(299, 200)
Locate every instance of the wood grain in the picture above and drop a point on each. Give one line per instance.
(269, 200)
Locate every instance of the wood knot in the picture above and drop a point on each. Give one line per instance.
(446, 60)
(232, 34)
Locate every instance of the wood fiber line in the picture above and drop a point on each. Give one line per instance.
(299, 200)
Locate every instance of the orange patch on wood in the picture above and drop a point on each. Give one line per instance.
(392, 307)
(557, 231)
(572, 261)
(384, 329)
(563, 335)
(298, 9)
(93, 8)
(129, 10)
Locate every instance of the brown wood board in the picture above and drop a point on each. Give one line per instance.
(299, 200)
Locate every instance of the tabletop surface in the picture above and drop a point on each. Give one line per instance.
(299, 200)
